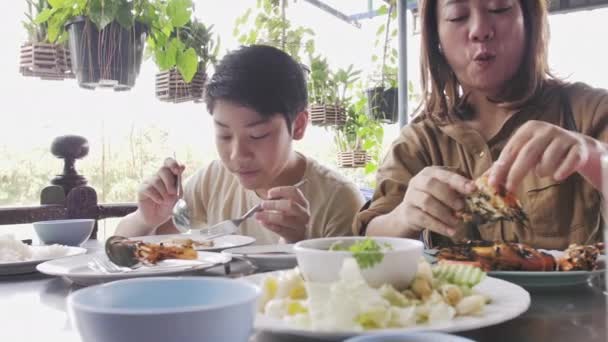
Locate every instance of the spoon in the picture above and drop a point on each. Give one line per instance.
(180, 213)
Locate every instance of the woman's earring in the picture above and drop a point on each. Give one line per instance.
(440, 49)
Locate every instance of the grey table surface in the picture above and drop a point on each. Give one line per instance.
(33, 307)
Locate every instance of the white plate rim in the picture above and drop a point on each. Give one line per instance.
(5, 267)
(51, 267)
(240, 240)
(507, 308)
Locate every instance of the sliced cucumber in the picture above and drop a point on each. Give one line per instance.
(459, 274)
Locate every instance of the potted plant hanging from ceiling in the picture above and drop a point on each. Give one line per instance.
(328, 92)
(269, 25)
(359, 140)
(39, 57)
(107, 37)
(383, 97)
(184, 69)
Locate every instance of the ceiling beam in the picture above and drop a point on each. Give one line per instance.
(340, 15)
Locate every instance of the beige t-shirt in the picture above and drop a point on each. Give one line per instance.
(214, 194)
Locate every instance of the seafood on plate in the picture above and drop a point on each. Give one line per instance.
(489, 204)
(126, 252)
(510, 256)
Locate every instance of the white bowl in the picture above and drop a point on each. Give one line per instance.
(73, 232)
(161, 309)
(398, 266)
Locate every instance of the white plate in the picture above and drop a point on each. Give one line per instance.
(267, 257)
(29, 266)
(508, 301)
(219, 243)
(77, 270)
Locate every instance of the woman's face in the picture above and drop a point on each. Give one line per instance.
(482, 40)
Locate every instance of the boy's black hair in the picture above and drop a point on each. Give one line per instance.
(262, 78)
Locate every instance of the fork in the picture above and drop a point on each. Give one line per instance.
(108, 267)
(230, 226)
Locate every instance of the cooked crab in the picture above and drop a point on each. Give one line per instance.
(489, 204)
(128, 253)
(510, 256)
(579, 258)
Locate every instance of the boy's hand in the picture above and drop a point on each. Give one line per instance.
(157, 195)
(287, 215)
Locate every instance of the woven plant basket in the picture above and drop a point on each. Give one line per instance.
(47, 61)
(353, 159)
(327, 115)
(171, 87)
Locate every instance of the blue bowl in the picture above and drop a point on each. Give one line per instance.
(410, 337)
(72, 232)
(185, 309)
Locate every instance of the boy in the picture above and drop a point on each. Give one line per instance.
(258, 100)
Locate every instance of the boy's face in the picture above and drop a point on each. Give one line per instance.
(254, 148)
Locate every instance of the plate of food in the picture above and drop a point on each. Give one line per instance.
(527, 266)
(128, 258)
(447, 298)
(17, 257)
(517, 262)
(200, 242)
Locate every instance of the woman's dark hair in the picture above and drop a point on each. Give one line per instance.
(262, 78)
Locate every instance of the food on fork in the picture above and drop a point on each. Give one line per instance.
(126, 252)
(489, 204)
(510, 256)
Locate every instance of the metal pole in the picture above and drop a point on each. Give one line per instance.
(402, 73)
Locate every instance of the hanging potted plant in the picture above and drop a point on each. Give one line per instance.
(328, 92)
(178, 81)
(359, 140)
(107, 38)
(383, 98)
(38, 57)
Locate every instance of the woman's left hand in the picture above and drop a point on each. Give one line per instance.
(287, 215)
(542, 147)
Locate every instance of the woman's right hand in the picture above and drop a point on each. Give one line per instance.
(157, 195)
(431, 200)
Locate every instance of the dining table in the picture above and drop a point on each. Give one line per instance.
(33, 307)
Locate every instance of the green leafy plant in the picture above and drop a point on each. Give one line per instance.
(37, 33)
(268, 25)
(327, 87)
(187, 48)
(361, 132)
(386, 59)
(162, 18)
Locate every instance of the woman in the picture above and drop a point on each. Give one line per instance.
(491, 106)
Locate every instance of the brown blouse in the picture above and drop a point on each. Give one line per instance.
(560, 213)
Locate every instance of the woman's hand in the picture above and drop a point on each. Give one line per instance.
(287, 214)
(157, 195)
(431, 199)
(546, 149)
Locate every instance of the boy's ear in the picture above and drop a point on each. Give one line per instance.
(299, 125)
